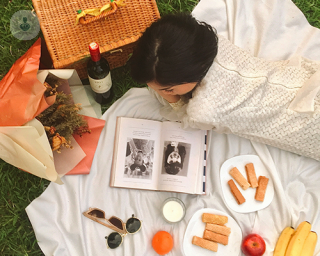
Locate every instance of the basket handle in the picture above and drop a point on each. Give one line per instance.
(114, 8)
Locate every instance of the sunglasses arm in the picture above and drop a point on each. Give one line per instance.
(103, 222)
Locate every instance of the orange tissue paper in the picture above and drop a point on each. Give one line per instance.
(21, 93)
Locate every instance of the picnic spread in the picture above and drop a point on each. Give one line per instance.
(67, 218)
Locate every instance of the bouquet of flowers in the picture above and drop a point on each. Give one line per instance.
(61, 120)
(39, 119)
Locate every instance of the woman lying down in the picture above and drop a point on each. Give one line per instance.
(206, 82)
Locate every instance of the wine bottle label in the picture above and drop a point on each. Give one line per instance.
(101, 85)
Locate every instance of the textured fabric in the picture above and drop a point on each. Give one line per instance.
(250, 97)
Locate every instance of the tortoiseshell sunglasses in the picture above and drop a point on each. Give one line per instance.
(115, 239)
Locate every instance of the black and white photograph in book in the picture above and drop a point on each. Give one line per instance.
(176, 158)
(139, 158)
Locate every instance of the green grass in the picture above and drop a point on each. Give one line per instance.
(10, 47)
(311, 9)
(17, 188)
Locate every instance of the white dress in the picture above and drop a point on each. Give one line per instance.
(275, 103)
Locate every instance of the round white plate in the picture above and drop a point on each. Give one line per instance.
(250, 205)
(196, 228)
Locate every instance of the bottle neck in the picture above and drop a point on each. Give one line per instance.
(96, 57)
(94, 52)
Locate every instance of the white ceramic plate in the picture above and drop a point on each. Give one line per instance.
(196, 228)
(250, 205)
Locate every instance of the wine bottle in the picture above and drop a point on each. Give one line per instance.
(99, 75)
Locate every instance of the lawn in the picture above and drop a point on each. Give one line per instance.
(18, 189)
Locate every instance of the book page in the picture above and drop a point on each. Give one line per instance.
(182, 162)
(134, 161)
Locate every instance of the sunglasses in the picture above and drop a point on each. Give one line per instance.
(115, 239)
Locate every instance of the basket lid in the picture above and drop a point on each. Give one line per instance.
(68, 43)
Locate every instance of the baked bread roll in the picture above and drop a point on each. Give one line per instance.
(251, 175)
(214, 218)
(222, 230)
(206, 244)
(262, 188)
(221, 239)
(242, 181)
(236, 192)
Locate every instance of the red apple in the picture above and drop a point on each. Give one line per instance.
(253, 245)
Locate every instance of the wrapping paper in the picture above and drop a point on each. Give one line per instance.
(23, 142)
(268, 29)
(20, 85)
(80, 93)
(77, 160)
(27, 148)
(88, 142)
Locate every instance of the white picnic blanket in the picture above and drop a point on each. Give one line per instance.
(273, 29)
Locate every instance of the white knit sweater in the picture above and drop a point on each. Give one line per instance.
(275, 103)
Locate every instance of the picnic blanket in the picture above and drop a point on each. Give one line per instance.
(271, 29)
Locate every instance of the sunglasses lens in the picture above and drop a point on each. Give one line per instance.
(116, 222)
(133, 225)
(114, 240)
(96, 213)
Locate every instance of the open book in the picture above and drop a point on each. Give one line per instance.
(156, 155)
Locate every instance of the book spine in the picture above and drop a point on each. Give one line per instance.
(204, 165)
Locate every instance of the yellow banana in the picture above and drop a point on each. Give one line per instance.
(283, 241)
(298, 239)
(310, 244)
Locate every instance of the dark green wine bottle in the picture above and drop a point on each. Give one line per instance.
(99, 75)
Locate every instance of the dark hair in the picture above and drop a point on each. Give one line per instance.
(174, 168)
(174, 50)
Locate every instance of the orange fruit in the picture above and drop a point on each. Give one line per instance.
(162, 242)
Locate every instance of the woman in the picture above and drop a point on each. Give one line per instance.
(206, 82)
(174, 158)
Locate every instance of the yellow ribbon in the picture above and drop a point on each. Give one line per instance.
(98, 11)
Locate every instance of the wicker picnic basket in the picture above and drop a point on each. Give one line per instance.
(116, 32)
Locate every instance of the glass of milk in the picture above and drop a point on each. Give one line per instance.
(173, 210)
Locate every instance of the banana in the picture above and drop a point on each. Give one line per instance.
(310, 244)
(298, 239)
(283, 241)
